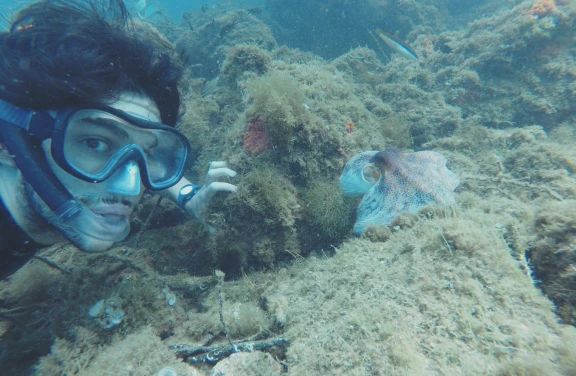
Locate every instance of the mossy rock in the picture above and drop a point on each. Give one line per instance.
(277, 98)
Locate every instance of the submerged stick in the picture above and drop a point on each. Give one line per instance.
(220, 275)
(212, 354)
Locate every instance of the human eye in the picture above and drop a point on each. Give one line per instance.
(95, 144)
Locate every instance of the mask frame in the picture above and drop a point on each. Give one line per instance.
(129, 152)
(41, 125)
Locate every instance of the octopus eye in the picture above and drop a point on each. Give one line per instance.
(370, 174)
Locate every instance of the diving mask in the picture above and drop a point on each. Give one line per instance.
(93, 142)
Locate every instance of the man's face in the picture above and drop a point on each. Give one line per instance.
(111, 202)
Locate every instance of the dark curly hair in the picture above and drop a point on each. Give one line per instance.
(61, 53)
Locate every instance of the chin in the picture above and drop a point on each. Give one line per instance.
(88, 244)
(90, 237)
(85, 241)
(83, 235)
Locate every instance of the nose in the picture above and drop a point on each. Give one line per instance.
(125, 181)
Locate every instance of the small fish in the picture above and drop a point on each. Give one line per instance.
(23, 24)
(144, 9)
(397, 45)
(255, 10)
(141, 5)
(226, 28)
(187, 17)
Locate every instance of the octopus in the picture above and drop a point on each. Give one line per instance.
(391, 182)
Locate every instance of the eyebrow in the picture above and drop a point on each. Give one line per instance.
(110, 125)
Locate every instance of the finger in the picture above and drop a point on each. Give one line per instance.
(219, 186)
(217, 164)
(215, 173)
(208, 191)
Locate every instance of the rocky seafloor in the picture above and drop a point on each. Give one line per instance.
(484, 287)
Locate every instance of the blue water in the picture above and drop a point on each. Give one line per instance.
(174, 8)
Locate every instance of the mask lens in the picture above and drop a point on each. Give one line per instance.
(96, 143)
(167, 158)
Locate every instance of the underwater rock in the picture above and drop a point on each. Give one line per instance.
(97, 309)
(167, 371)
(392, 182)
(248, 363)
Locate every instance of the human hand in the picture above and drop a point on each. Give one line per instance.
(198, 204)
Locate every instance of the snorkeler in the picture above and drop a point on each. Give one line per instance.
(88, 106)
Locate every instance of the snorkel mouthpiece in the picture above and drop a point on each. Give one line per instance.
(68, 210)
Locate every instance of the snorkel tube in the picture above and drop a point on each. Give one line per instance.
(21, 132)
(30, 160)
